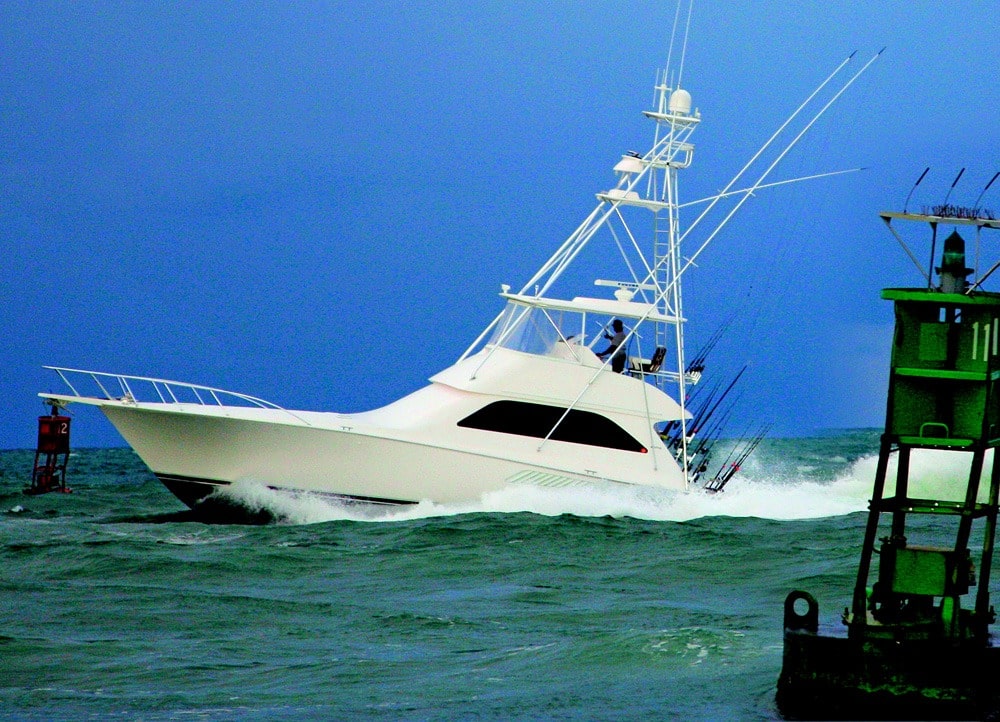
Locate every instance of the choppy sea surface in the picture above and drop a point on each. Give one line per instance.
(528, 605)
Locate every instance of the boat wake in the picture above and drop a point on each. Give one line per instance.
(759, 492)
(769, 498)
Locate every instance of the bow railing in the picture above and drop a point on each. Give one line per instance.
(141, 389)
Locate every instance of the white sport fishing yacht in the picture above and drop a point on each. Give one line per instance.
(533, 401)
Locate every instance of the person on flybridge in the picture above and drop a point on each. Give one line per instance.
(615, 346)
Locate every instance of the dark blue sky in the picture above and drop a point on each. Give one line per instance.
(316, 203)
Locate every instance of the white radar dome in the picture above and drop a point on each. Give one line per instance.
(680, 102)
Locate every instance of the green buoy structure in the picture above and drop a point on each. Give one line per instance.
(915, 641)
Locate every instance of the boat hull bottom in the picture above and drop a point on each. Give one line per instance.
(200, 495)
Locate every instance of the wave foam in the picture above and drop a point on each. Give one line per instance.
(754, 493)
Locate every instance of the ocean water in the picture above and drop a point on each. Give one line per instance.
(529, 605)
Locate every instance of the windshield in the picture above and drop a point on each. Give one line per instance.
(537, 330)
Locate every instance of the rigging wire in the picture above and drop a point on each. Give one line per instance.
(687, 28)
(670, 48)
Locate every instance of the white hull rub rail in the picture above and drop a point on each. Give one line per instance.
(126, 389)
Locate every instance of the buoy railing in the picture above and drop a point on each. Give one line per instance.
(139, 389)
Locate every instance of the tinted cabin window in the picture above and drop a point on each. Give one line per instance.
(536, 420)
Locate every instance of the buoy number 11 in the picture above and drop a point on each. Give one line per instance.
(987, 327)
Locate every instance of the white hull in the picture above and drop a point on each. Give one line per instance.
(413, 450)
(191, 448)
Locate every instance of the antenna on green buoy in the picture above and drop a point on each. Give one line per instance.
(954, 183)
(941, 210)
(975, 206)
(905, 204)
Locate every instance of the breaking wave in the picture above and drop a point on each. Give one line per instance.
(758, 491)
(764, 498)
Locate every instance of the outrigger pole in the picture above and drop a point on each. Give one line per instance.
(771, 167)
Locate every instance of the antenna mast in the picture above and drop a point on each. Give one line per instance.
(675, 122)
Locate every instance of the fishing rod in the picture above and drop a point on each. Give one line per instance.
(706, 446)
(701, 430)
(709, 432)
(725, 393)
(668, 429)
(736, 449)
(728, 470)
(725, 462)
(738, 464)
(715, 431)
(673, 435)
(698, 362)
(702, 456)
(694, 400)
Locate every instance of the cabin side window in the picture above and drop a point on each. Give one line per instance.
(537, 420)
